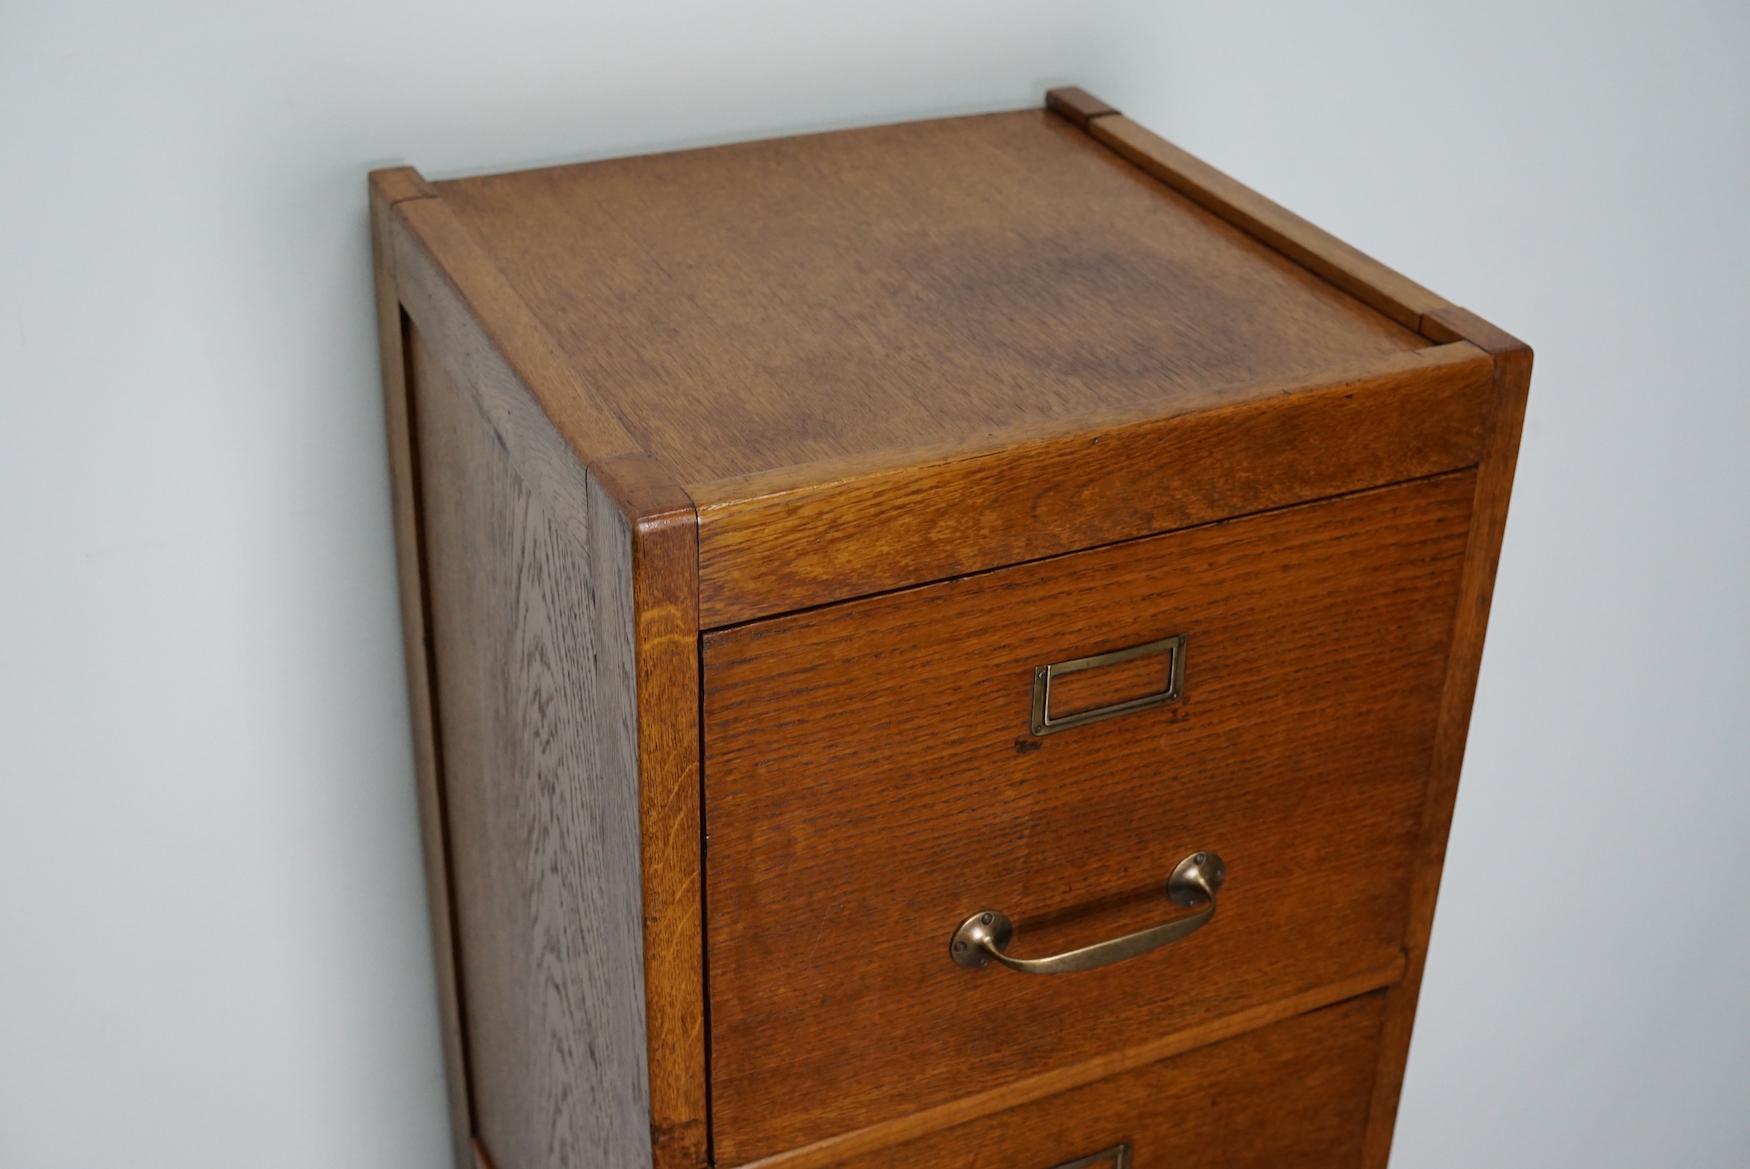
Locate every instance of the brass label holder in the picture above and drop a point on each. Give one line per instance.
(1045, 723)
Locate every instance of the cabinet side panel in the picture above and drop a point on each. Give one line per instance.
(387, 189)
(532, 611)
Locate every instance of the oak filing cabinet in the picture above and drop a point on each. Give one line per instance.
(872, 596)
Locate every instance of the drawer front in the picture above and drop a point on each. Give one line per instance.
(873, 779)
(1291, 1096)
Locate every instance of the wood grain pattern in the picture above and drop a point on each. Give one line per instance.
(1494, 483)
(768, 545)
(837, 1150)
(756, 306)
(871, 780)
(387, 188)
(547, 438)
(479, 327)
(533, 612)
(629, 399)
(665, 559)
(1350, 269)
(1289, 1095)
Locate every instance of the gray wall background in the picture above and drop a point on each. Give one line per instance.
(212, 929)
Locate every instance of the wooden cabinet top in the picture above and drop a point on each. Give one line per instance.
(750, 307)
(800, 336)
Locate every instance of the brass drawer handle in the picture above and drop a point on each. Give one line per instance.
(983, 937)
(1046, 723)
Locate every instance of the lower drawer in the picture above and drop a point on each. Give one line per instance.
(1292, 1094)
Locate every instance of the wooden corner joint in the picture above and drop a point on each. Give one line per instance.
(648, 494)
(1449, 323)
(398, 184)
(1077, 105)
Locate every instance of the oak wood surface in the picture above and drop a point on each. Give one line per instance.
(963, 1110)
(749, 307)
(1494, 483)
(768, 545)
(870, 780)
(480, 327)
(387, 188)
(1348, 268)
(550, 429)
(533, 613)
(705, 388)
(665, 656)
(1293, 1094)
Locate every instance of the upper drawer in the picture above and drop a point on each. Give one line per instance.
(872, 779)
